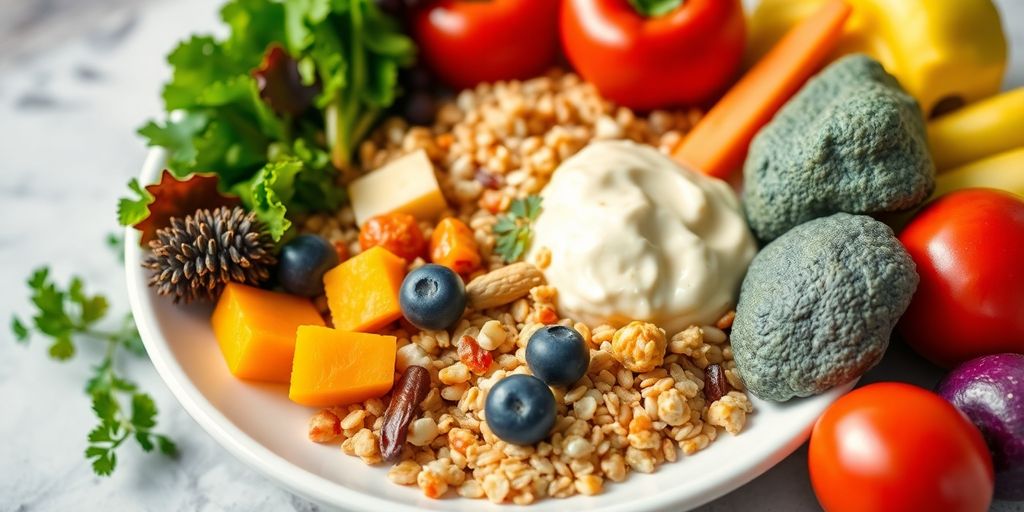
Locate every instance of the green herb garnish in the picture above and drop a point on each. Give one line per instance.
(515, 228)
(135, 209)
(69, 315)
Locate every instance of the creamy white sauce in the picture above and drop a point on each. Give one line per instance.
(635, 236)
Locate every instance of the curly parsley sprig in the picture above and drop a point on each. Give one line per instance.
(515, 229)
(67, 316)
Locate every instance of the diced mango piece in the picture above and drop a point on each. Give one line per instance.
(334, 367)
(362, 292)
(256, 331)
(407, 185)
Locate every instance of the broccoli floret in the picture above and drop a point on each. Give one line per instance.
(850, 141)
(818, 306)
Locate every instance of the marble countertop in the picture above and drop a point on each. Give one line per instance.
(69, 106)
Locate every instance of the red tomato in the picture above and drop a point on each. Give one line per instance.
(466, 42)
(969, 250)
(894, 447)
(684, 57)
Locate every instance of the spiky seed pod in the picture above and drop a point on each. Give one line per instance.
(194, 258)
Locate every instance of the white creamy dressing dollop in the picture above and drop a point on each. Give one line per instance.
(635, 236)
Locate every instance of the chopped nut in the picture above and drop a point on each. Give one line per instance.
(492, 335)
(409, 355)
(422, 431)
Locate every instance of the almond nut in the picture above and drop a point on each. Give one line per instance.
(503, 285)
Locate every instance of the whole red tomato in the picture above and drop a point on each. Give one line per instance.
(654, 60)
(466, 42)
(969, 250)
(898, 448)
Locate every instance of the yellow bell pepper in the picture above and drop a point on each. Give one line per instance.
(1004, 171)
(945, 53)
(978, 130)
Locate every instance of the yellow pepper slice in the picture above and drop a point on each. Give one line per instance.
(945, 53)
(979, 130)
(1004, 171)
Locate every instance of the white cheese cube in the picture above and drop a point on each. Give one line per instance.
(406, 185)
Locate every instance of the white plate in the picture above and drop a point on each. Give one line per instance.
(259, 425)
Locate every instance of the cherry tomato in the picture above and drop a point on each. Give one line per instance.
(969, 250)
(894, 447)
(683, 57)
(396, 232)
(466, 42)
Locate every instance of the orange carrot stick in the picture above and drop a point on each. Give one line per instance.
(718, 144)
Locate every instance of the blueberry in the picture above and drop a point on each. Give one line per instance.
(432, 297)
(557, 355)
(303, 263)
(520, 409)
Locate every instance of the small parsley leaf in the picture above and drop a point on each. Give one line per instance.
(514, 230)
(143, 412)
(167, 447)
(133, 210)
(115, 241)
(105, 461)
(145, 441)
(19, 330)
(62, 349)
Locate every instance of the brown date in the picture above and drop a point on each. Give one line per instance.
(715, 386)
(411, 389)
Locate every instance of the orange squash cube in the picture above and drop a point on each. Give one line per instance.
(256, 331)
(335, 367)
(362, 292)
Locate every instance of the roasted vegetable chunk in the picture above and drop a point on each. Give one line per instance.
(818, 305)
(850, 141)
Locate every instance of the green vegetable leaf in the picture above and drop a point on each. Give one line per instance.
(143, 412)
(167, 447)
(115, 241)
(654, 8)
(104, 460)
(100, 434)
(270, 190)
(145, 441)
(177, 135)
(514, 230)
(62, 349)
(131, 211)
(19, 329)
(105, 407)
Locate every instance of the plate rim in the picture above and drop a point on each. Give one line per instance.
(336, 495)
